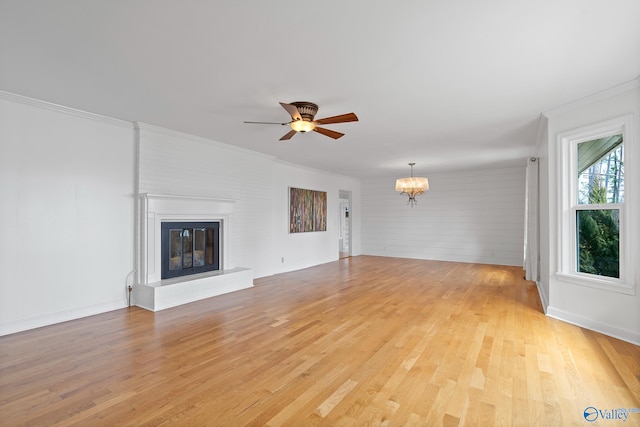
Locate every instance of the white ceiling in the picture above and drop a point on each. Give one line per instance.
(447, 84)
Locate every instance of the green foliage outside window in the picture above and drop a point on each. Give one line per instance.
(599, 228)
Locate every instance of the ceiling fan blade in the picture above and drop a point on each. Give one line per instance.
(330, 133)
(267, 123)
(292, 110)
(342, 118)
(288, 135)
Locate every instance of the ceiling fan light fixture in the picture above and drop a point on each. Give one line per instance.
(302, 125)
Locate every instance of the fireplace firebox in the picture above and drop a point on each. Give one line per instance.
(189, 248)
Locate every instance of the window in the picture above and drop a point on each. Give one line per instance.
(593, 218)
(599, 201)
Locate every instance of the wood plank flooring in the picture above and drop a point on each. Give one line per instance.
(360, 341)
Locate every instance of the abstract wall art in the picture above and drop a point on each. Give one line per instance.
(307, 210)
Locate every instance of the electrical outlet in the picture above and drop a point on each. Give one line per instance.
(282, 260)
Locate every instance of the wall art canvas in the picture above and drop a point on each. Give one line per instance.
(307, 210)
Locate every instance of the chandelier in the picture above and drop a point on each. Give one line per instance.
(412, 186)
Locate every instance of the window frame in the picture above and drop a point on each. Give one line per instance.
(567, 263)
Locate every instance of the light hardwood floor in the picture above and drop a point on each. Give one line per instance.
(360, 341)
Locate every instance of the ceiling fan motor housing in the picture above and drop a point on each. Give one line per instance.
(307, 110)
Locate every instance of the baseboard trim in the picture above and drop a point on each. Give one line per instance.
(59, 317)
(603, 328)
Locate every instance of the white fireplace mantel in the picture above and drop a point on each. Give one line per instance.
(156, 208)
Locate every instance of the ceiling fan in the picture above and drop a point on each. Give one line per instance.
(302, 120)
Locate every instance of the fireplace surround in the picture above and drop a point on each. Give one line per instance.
(155, 292)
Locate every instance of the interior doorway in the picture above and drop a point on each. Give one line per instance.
(344, 239)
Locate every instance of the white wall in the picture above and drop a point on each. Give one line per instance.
(174, 163)
(466, 216)
(67, 181)
(184, 165)
(612, 313)
(301, 250)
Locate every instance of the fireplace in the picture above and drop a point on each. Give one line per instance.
(199, 262)
(189, 248)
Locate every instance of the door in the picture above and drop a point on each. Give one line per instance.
(344, 242)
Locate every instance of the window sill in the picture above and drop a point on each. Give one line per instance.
(592, 282)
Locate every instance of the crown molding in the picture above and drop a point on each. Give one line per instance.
(62, 109)
(599, 96)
